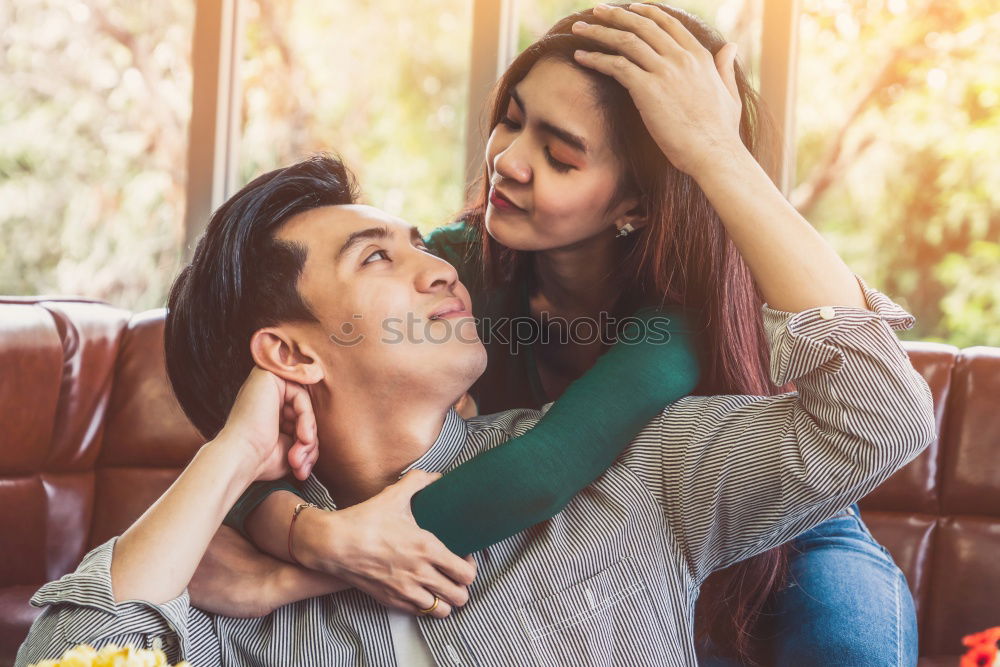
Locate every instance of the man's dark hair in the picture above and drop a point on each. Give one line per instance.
(240, 280)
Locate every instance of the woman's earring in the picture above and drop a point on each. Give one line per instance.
(624, 231)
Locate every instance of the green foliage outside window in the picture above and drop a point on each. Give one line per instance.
(897, 117)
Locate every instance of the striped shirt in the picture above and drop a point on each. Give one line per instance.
(613, 578)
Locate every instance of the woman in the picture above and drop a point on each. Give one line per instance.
(621, 171)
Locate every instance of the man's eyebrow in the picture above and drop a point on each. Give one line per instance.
(577, 142)
(382, 232)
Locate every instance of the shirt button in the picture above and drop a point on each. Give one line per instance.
(827, 312)
(453, 655)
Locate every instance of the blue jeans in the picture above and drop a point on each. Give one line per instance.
(845, 603)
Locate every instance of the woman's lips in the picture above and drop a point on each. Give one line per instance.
(502, 203)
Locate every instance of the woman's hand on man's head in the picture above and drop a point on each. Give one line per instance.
(687, 98)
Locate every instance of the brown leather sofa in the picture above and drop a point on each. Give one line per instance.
(90, 435)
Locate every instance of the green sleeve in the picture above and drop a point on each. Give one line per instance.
(530, 478)
(255, 494)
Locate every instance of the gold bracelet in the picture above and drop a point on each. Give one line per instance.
(295, 515)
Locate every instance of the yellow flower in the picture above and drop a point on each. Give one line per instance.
(110, 656)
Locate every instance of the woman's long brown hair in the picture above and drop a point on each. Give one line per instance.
(683, 256)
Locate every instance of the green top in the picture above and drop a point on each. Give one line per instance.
(530, 478)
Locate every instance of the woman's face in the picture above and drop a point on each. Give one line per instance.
(551, 163)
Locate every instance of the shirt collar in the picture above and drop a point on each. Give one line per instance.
(445, 449)
(437, 458)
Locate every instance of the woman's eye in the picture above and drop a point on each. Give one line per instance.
(368, 260)
(511, 123)
(556, 164)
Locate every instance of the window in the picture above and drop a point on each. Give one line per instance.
(383, 84)
(896, 114)
(94, 106)
(898, 121)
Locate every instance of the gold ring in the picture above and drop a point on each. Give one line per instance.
(432, 607)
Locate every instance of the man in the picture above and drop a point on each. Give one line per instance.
(291, 260)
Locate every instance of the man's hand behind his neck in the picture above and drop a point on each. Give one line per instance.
(270, 419)
(276, 421)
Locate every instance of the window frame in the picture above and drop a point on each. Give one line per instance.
(213, 137)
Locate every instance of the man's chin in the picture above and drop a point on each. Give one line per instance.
(469, 364)
(451, 376)
(456, 332)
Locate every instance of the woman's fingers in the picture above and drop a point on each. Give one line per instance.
(622, 41)
(725, 62)
(392, 559)
(412, 482)
(416, 596)
(448, 575)
(670, 24)
(644, 27)
(445, 588)
(620, 68)
(459, 570)
(422, 599)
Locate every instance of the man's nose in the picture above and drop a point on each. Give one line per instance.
(435, 274)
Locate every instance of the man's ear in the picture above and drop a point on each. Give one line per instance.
(630, 211)
(274, 350)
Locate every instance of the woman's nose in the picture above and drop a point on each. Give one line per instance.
(511, 164)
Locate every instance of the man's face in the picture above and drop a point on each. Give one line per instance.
(393, 318)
